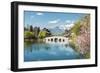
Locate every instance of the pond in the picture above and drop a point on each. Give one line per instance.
(47, 52)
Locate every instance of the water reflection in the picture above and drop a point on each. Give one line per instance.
(43, 51)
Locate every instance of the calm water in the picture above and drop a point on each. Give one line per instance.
(44, 52)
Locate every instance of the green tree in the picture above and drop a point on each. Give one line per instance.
(28, 34)
(48, 33)
(76, 28)
(42, 34)
(31, 28)
(36, 31)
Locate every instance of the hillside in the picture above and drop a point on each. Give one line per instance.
(80, 36)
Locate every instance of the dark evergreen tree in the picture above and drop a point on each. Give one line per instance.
(31, 28)
(36, 31)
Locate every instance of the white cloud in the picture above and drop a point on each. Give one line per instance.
(54, 21)
(69, 21)
(39, 13)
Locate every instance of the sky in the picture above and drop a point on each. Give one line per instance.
(50, 19)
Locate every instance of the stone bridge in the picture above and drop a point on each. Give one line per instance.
(56, 39)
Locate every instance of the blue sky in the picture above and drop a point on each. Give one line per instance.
(49, 19)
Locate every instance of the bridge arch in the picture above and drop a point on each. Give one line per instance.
(56, 39)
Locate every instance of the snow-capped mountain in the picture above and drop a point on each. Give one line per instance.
(56, 31)
(67, 26)
(59, 30)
